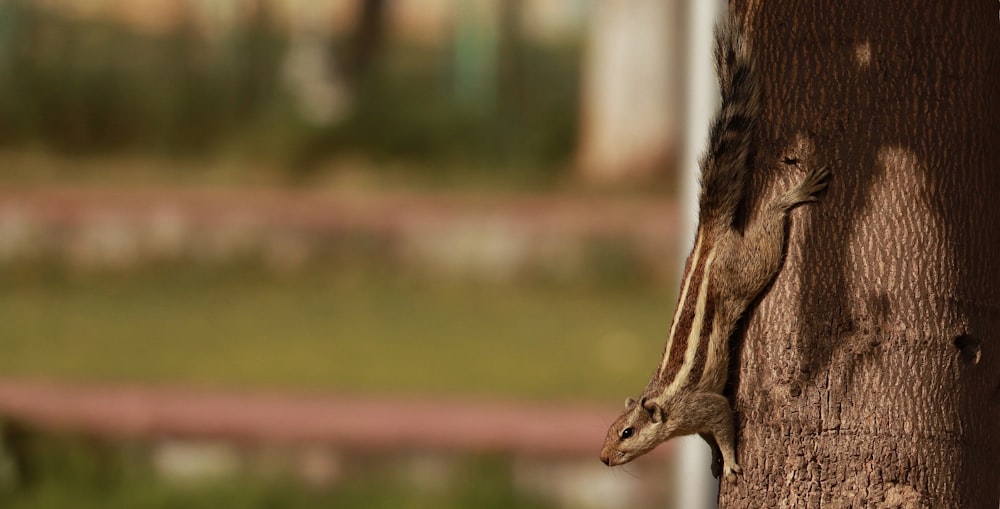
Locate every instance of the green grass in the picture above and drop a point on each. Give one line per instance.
(332, 330)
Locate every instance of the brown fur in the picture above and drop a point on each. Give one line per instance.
(684, 324)
(684, 397)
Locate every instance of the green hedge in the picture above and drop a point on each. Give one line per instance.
(83, 86)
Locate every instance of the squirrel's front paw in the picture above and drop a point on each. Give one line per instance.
(732, 471)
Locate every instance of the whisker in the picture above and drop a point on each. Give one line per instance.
(627, 471)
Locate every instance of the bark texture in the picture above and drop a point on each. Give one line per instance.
(869, 374)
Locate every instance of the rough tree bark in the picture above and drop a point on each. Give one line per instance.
(869, 375)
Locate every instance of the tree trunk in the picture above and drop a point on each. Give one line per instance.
(869, 374)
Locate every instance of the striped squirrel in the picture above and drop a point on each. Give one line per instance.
(725, 272)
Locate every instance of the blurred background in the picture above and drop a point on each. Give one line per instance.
(333, 253)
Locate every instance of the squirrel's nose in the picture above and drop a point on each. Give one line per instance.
(606, 460)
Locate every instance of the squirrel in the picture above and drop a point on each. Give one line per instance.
(725, 272)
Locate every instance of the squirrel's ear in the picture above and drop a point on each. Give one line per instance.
(654, 409)
(629, 402)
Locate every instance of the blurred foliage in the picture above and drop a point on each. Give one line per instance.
(63, 471)
(343, 329)
(85, 86)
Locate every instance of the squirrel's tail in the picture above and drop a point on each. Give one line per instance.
(724, 168)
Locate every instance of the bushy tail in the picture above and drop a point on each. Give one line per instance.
(724, 168)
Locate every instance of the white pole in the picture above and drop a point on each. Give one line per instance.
(695, 488)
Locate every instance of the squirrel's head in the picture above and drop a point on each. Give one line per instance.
(641, 427)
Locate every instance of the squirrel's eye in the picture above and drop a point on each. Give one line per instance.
(627, 432)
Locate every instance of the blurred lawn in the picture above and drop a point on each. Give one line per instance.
(332, 330)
